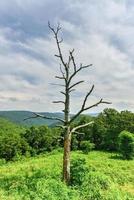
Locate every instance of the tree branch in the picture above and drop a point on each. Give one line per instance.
(59, 102)
(59, 77)
(63, 74)
(58, 41)
(57, 84)
(71, 90)
(63, 93)
(45, 117)
(86, 97)
(79, 133)
(96, 104)
(81, 126)
(61, 126)
(77, 70)
(69, 60)
(73, 61)
(75, 84)
(83, 108)
(57, 56)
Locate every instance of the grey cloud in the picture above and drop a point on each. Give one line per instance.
(29, 78)
(122, 105)
(30, 18)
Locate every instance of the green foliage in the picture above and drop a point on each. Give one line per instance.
(37, 178)
(7, 127)
(106, 130)
(99, 132)
(93, 186)
(38, 186)
(42, 138)
(126, 144)
(106, 178)
(12, 146)
(86, 146)
(108, 126)
(103, 133)
(97, 175)
(74, 142)
(83, 134)
(78, 171)
(16, 141)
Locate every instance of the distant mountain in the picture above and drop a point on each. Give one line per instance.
(19, 116)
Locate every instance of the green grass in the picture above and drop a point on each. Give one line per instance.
(39, 178)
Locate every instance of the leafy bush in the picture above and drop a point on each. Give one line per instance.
(12, 145)
(41, 139)
(86, 146)
(126, 144)
(78, 171)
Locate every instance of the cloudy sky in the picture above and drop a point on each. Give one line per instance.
(100, 31)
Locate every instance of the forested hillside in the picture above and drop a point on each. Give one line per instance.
(19, 116)
(102, 134)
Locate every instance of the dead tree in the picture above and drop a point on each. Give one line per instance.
(69, 70)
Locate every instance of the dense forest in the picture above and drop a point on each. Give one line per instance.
(103, 134)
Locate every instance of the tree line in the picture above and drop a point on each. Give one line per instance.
(111, 131)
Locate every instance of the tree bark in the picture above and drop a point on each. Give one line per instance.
(66, 156)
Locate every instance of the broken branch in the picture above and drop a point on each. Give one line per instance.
(81, 126)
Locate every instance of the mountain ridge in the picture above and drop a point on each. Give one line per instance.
(18, 116)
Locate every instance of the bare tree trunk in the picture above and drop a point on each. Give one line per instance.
(66, 157)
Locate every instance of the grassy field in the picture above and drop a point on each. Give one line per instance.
(109, 178)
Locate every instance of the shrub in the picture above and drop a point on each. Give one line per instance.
(78, 171)
(126, 144)
(12, 146)
(41, 139)
(86, 146)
